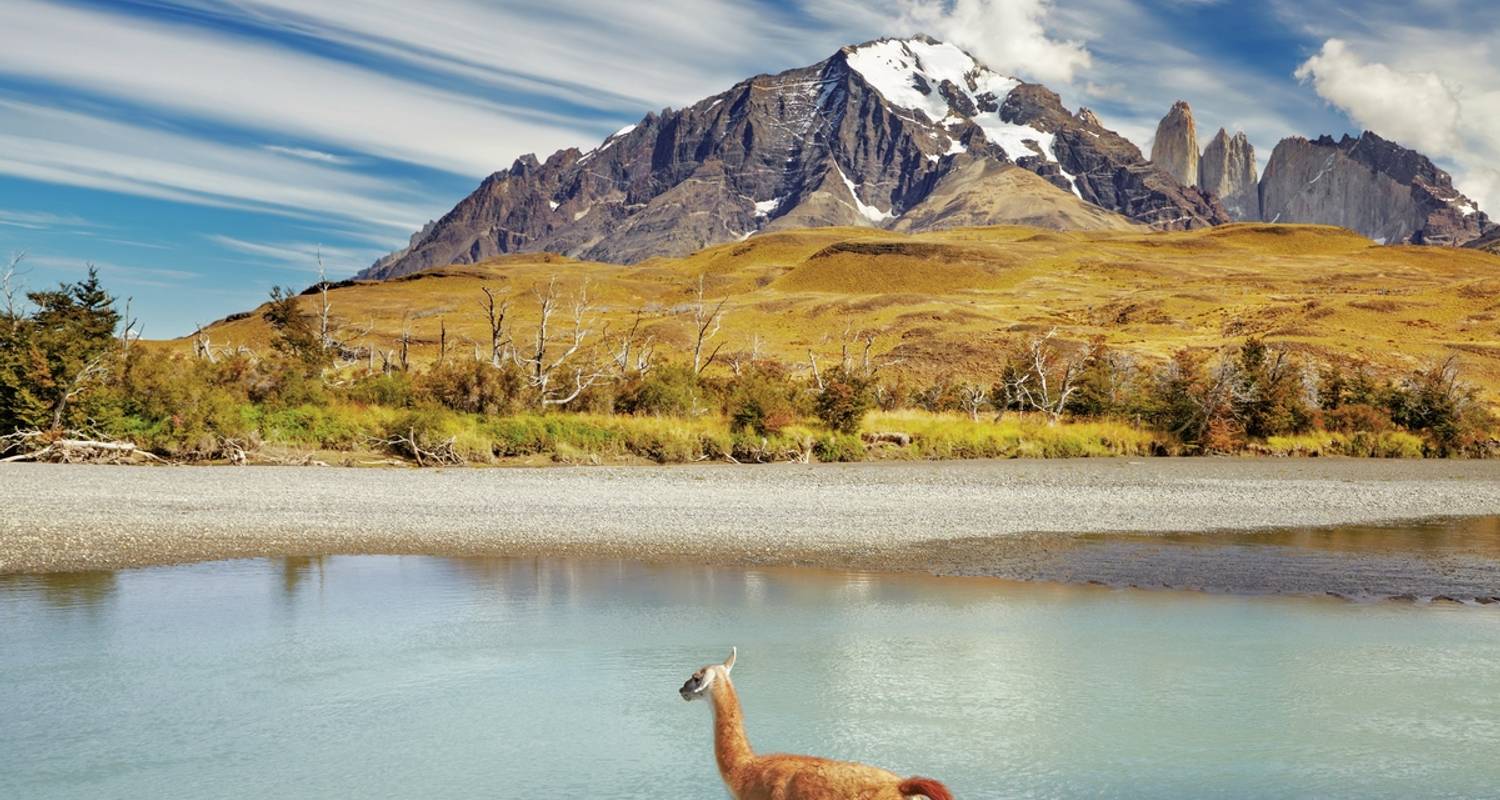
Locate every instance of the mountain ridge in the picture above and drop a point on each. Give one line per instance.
(860, 138)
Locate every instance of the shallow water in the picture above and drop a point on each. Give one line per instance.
(457, 678)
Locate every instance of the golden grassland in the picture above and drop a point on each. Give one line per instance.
(947, 303)
(346, 432)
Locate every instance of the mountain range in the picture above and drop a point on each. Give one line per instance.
(916, 135)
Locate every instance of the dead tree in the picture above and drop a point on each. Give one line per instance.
(973, 398)
(1046, 378)
(405, 356)
(494, 313)
(560, 367)
(706, 325)
(634, 353)
(10, 288)
(203, 347)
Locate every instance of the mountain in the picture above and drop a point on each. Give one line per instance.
(1376, 187)
(1227, 171)
(864, 138)
(1175, 148)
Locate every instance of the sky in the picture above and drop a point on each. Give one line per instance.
(199, 152)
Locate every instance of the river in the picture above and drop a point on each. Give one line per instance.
(423, 677)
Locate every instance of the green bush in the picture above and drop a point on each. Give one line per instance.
(667, 390)
(762, 399)
(839, 447)
(473, 386)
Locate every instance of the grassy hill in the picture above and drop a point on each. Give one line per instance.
(946, 303)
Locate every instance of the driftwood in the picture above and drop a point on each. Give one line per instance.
(442, 454)
(70, 447)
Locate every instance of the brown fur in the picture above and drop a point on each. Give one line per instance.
(786, 777)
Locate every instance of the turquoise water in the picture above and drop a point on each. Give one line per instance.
(377, 677)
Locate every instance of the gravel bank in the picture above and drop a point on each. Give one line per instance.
(883, 516)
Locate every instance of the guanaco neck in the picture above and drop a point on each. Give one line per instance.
(731, 748)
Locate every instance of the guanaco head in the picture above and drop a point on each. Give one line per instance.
(702, 682)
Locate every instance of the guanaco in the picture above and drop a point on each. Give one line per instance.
(785, 777)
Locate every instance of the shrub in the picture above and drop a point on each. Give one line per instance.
(474, 387)
(762, 399)
(392, 389)
(667, 390)
(838, 447)
(843, 401)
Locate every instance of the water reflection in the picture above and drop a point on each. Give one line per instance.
(296, 569)
(65, 591)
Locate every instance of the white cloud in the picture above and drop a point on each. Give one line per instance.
(1010, 36)
(1415, 108)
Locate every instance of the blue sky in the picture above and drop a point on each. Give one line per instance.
(201, 151)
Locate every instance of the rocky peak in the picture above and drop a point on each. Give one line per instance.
(1227, 171)
(1372, 185)
(1175, 149)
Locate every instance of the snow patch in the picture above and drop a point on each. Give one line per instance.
(553, 203)
(765, 208)
(898, 69)
(870, 213)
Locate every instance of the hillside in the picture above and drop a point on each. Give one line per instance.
(946, 302)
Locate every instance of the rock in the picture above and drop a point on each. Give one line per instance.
(1489, 242)
(1176, 147)
(1368, 184)
(1106, 168)
(1227, 171)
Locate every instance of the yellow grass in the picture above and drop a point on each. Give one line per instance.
(946, 303)
(943, 436)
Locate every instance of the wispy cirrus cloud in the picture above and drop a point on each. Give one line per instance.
(41, 220)
(198, 71)
(77, 149)
(299, 256)
(309, 154)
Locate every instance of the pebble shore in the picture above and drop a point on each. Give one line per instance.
(895, 516)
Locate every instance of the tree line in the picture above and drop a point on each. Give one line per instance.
(72, 371)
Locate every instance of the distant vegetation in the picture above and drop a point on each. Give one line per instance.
(74, 385)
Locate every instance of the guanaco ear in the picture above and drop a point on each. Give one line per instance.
(729, 662)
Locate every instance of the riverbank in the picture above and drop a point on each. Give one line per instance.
(1020, 519)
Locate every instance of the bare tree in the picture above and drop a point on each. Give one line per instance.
(812, 361)
(973, 397)
(203, 346)
(494, 313)
(707, 323)
(325, 333)
(559, 367)
(10, 287)
(1046, 378)
(405, 356)
(442, 340)
(635, 353)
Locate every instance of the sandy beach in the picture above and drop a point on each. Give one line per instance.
(1083, 520)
